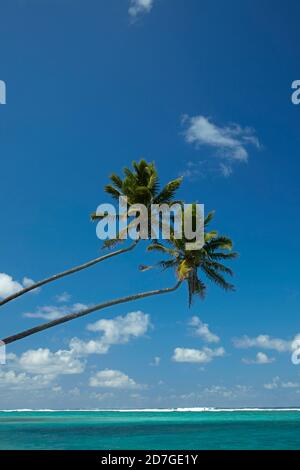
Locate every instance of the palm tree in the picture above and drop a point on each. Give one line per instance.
(190, 263)
(186, 263)
(94, 308)
(140, 185)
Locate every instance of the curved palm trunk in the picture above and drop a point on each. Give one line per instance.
(87, 311)
(76, 269)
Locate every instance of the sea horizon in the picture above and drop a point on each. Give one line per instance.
(148, 410)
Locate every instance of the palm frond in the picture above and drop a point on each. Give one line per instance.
(168, 192)
(219, 255)
(116, 180)
(210, 235)
(209, 218)
(161, 248)
(223, 243)
(217, 278)
(109, 189)
(219, 267)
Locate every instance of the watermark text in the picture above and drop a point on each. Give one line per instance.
(159, 221)
(296, 94)
(2, 92)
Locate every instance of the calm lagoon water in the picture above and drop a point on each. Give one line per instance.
(150, 430)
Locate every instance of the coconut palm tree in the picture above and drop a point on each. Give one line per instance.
(94, 308)
(187, 264)
(190, 264)
(140, 185)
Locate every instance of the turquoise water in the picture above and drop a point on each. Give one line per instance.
(150, 430)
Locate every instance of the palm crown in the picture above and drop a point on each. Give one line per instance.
(190, 263)
(141, 186)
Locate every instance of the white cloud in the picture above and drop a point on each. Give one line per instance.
(109, 378)
(290, 384)
(199, 356)
(52, 312)
(37, 368)
(102, 396)
(44, 361)
(277, 383)
(226, 392)
(43, 366)
(202, 330)
(219, 390)
(63, 298)
(8, 286)
(15, 380)
(27, 282)
(139, 7)
(155, 362)
(266, 342)
(261, 358)
(272, 385)
(226, 170)
(119, 330)
(75, 392)
(229, 142)
(12, 378)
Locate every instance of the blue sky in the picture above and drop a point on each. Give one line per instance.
(204, 89)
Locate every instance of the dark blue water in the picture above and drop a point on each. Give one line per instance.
(150, 430)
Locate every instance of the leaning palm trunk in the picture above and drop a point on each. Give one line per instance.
(87, 311)
(73, 270)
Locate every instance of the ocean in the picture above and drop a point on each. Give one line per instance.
(150, 430)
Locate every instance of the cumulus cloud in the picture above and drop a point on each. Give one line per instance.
(267, 342)
(102, 396)
(12, 378)
(39, 368)
(219, 390)
(21, 381)
(27, 282)
(272, 385)
(119, 330)
(290, 384)
(230, 143)
(52, 312)
(44, 361)
(261, 358)
(277, 383)
(109, 378)
(202, 330)
(199, 356)
(63, 297)
(9, 286)
(139, 7)
(228, 392)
